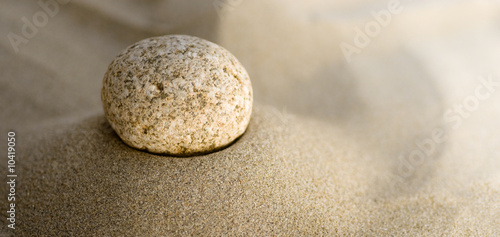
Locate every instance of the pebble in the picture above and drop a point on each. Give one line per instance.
(177, 95)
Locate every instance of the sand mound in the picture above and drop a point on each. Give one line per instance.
(338, 164)
(285, 176)
(273, 180)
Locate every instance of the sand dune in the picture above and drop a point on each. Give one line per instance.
(334, 147)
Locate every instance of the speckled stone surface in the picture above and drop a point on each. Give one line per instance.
(177, 95)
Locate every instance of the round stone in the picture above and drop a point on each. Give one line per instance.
(177, 95)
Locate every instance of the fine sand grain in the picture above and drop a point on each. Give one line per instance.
(328, 150)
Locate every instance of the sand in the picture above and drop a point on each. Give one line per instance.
(329, 147)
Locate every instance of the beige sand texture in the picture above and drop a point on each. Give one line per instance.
(328, 151)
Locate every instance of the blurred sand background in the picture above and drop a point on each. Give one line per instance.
(331, 146)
